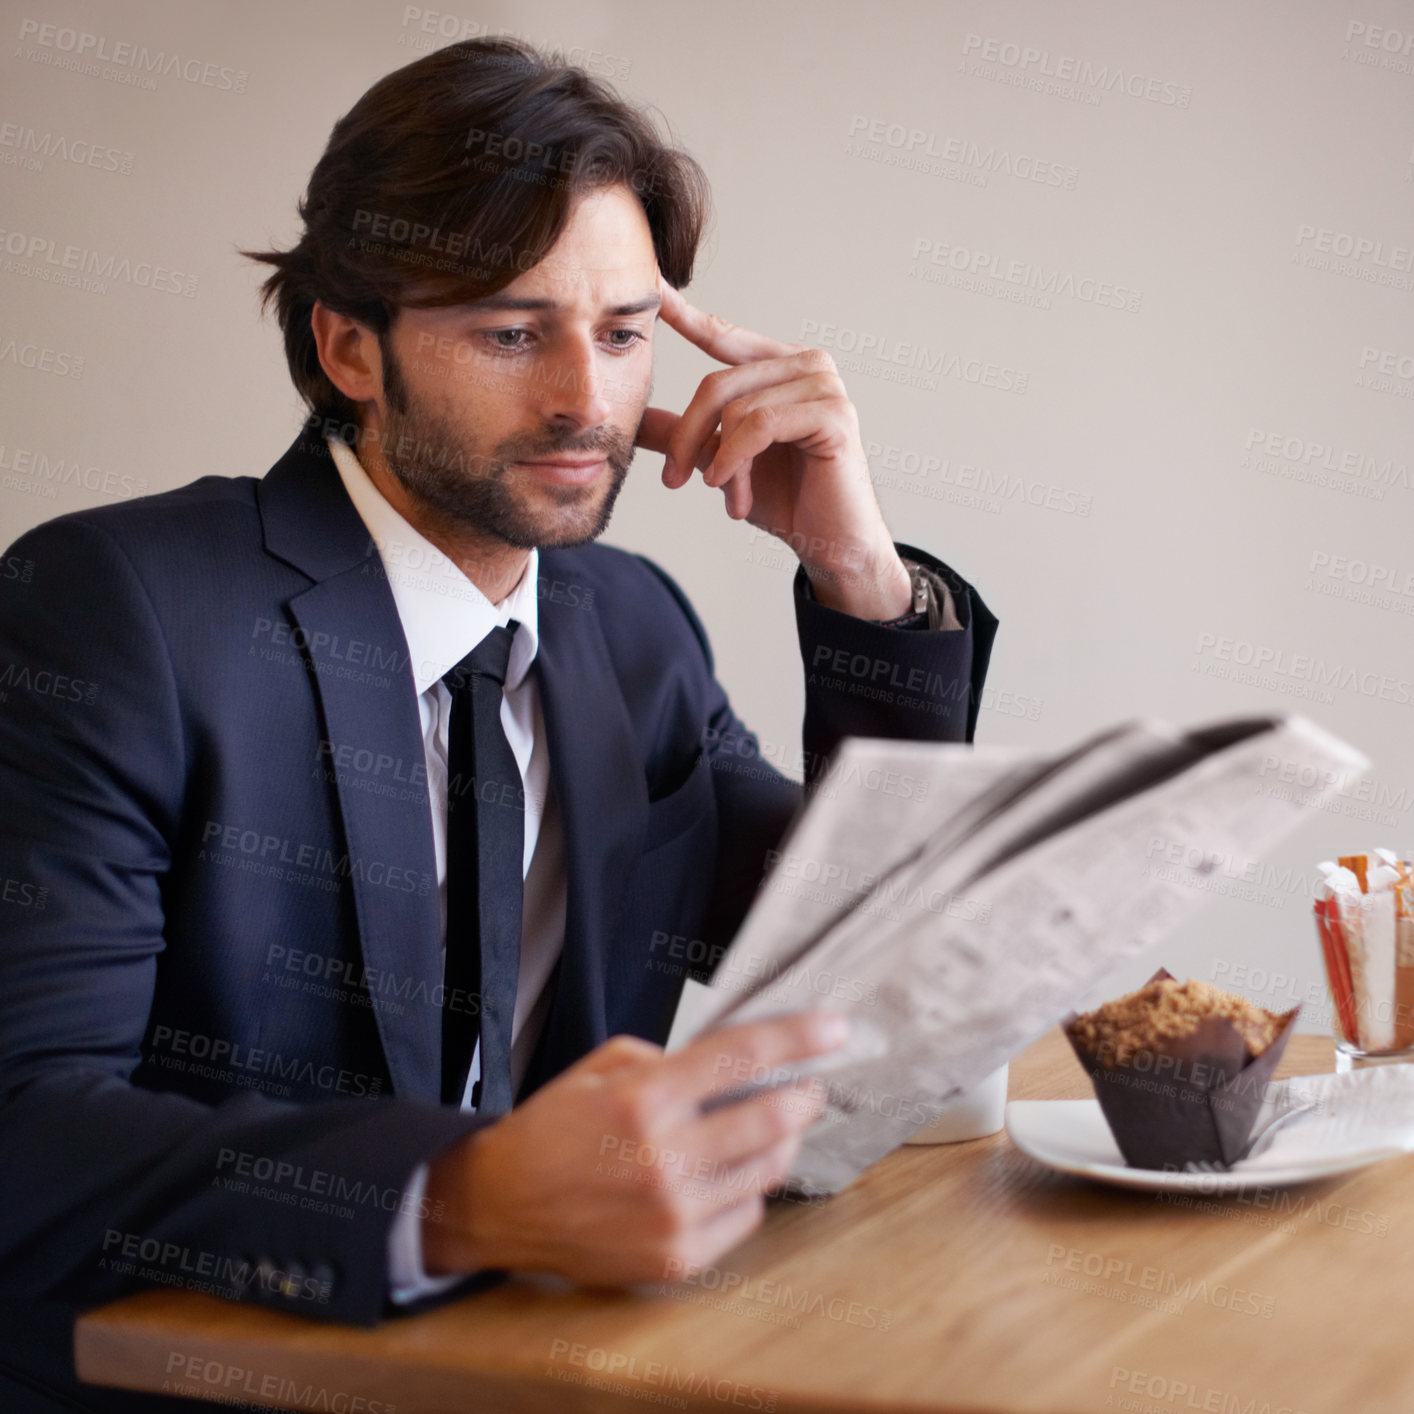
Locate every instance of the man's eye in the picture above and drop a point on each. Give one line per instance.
(625, 338)
(509, 339)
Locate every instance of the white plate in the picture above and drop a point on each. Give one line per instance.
(1073, 1137)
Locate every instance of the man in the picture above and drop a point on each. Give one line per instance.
(345, 805)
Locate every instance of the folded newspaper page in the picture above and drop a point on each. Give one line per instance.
(1332, 1119)
(956, 902)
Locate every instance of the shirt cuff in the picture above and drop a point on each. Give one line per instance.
(407, 1278)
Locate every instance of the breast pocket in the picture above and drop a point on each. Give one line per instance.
(672, 815)
(669, 893)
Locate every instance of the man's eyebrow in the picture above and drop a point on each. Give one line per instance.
(520, 302)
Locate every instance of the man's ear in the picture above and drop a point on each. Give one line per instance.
(348, 353)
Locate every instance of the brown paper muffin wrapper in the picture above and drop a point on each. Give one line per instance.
(1192, 1099)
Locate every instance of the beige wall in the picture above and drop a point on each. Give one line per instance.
(1185, 198)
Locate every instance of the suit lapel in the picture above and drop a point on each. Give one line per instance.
(603, 798)
(595, 769)
(348, 626)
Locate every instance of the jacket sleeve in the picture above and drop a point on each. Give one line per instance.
(107, 1186)
(861, 679)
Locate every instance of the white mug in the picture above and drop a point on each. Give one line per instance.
(971, 1115)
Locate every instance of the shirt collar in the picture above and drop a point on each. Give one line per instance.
(444, 615)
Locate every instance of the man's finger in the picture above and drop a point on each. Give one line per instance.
(727, 343)
(812, 425)
(777, 379)
(738, 496)
(656, 430)
(655, 433)
(708, 451)
(768, 1171)
(675, 475)
(739, 1055)
(616, 1053)
(718, 1235)
(807, 425)
(754, 1128)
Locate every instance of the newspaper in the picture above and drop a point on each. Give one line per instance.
(1325, 1119)
(957, 917)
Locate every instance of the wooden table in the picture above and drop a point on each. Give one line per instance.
(960, 1277)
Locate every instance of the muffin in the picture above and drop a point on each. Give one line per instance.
(1180, 1069)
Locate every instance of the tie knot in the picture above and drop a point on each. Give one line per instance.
(489, 659)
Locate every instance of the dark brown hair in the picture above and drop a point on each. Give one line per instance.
(455, 174)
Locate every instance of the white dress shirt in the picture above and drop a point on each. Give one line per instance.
(444, 616)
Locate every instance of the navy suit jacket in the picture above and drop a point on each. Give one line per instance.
(219, 938)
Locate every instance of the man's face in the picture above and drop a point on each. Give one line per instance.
(514, 416)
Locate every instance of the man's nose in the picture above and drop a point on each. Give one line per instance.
(579, 393)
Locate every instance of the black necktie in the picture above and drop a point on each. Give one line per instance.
(485, 853)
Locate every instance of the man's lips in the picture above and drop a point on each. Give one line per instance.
(576, 471)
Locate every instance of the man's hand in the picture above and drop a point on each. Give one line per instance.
(612, 1174)
(776, 431)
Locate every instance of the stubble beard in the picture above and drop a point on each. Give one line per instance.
(463, 489)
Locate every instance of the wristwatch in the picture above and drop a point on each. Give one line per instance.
(925, 601)
(932, 603)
